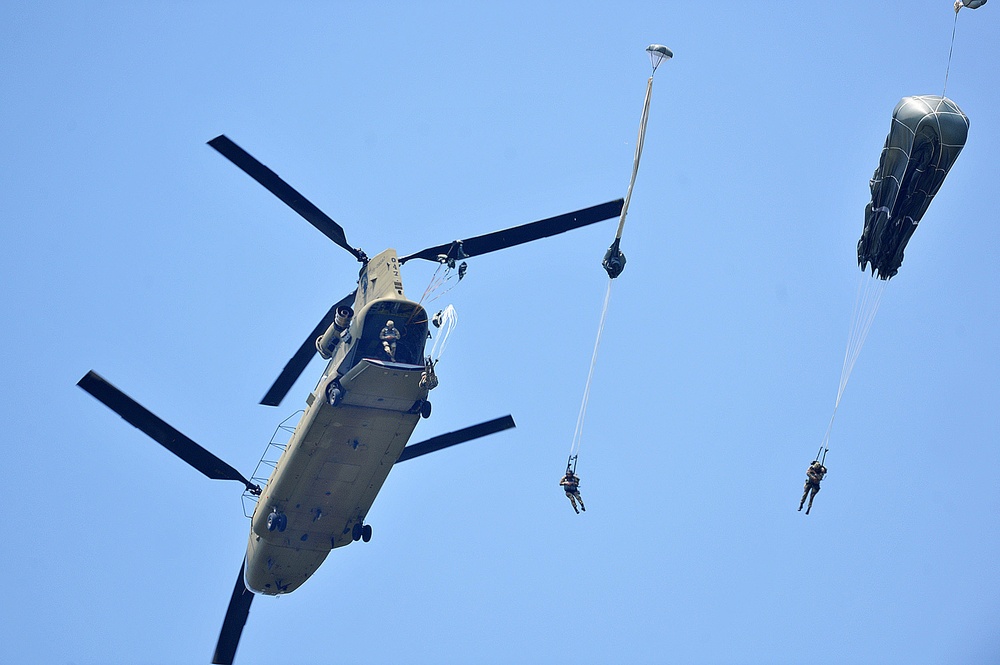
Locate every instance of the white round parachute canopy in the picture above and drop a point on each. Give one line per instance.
(657, 54)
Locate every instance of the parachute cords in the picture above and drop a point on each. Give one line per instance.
(951, 50)
(866, 305)
(438, 280)
(574, 450)
(432, 285)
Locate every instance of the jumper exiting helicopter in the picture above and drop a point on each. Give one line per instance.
(358, 418)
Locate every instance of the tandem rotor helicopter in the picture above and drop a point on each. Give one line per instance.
(358, 419)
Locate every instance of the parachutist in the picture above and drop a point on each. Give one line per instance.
(571, 483)
(428, 378)
(814, 474)
(463, 267)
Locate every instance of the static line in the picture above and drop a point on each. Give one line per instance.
(951, 49)
(638, 155)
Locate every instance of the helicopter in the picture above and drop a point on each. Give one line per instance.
(358, 419)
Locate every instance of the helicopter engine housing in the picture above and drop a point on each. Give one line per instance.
(328, 341)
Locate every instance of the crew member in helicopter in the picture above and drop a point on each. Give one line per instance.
(814, 474)
(571, 483)
(389, 337)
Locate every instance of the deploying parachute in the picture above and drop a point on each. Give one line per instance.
(927, 133)
(614, 264)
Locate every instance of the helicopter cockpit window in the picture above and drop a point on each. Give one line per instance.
(394, 332)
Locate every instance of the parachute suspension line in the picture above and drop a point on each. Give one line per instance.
(866, 305)
(578, 434)
(869, 298)
(951, 49)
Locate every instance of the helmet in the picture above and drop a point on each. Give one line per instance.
(388, 324)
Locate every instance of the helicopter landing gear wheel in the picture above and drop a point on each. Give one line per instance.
(334, 394)
(425, 410)
(276, 521)
(361, 532)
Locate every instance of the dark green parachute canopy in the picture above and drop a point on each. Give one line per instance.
(927, 133)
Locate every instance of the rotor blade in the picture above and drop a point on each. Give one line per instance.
(294, 368)
(236, 618)
(454, 438)
(518, 235)
(168, 437)
(300, 204)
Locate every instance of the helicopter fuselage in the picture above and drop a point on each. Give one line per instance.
(357, 421)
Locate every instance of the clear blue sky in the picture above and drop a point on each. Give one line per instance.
(132, 248)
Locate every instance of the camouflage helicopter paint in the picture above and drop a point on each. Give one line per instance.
(358, 419)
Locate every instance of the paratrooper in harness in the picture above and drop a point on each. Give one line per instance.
(428, 378)
(814, 474)
(571, 484)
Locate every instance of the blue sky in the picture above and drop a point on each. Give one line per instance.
(134, 249)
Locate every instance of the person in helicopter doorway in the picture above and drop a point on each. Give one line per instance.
(389, 337)
(814, 474)
(571, 483)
